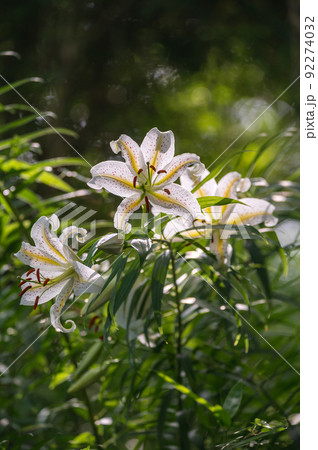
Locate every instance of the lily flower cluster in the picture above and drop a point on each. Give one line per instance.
(249, 211)
(147, 177)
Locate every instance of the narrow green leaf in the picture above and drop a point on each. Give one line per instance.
(283, 257)
(35, 135)
(52, 180)
(8, 88)
(88, 378)
(116, 270)
(58, 162)
(158, 280)
(89, 359)
(125, 286)
(17, 123)
(220, 414)
(207, 201)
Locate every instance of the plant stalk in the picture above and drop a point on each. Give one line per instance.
(183, 437)
(86, 398)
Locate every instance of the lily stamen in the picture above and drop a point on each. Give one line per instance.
(36, 302)
(24, 281)
(167, 191)
(161, 171)
(38, 275)
(30, 271)
(139, 171)
(24, 290)
(135, 180)
(147, 204)
(46, 281)
(153, 168)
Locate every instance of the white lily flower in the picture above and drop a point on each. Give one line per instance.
(253, 212)
(56, 270)
(147, 177)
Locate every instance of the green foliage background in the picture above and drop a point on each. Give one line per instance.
(205, 70)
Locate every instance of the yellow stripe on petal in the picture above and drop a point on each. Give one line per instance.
(132, 159)
(124, 211)
(230, 186)
(39, 257)
(52, 248)
(114, 176)
(176, 167)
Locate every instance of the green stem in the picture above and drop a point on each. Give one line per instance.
(86, 398)
(179, 321)
(182, 425)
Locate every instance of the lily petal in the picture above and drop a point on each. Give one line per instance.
(158, 148)
(253, 212)
(230, 184)
(114, 176)
(131, 153)
(72, 232)
(176, 201)
(125, 210)
(56, 309)
(34, 257)
(220, 248)
(175, 168)
(88, 280)
(191, 177)
(45, 293)
(179, 225)
(46, 240)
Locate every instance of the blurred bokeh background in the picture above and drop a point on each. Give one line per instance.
(205, 69)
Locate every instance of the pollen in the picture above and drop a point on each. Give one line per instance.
(153, 168)
(135, 180)
(30, 271)
(139, 171)
(162, 171)
(167, 191)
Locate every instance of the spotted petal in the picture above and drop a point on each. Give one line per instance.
(46, 240)
(158, 148)
(114, 176)
(176, 200)
(128, 206)
(87, 279)
(131, 153)
(34, 257)
(56, 309)
(175, 168)
(253, 212)
(45, 293)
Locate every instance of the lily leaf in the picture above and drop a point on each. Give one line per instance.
(212, 200)
(220, 414)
